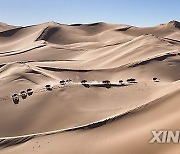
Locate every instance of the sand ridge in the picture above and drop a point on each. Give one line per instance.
(93, 113)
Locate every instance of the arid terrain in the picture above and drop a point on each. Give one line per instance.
(93, 117)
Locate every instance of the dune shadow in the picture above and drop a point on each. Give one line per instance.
(10, 32)
(123, 29)
(47, 33)
(63, 69)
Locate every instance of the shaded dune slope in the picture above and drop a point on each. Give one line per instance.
(11, 141)
(34, 56)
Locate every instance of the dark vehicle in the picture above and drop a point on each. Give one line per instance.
(15, 98)
(106, 82)
(121, 82)
(68, 80)
(23, 94)
(29, 91)
(131, 80)
(155, 79)
(49, 87)
(62, 82)
(84, 81)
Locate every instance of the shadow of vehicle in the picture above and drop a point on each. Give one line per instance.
(86, 85)
(108, 85)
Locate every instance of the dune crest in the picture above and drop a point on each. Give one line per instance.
(100, 83)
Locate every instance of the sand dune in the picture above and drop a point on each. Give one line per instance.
(4, 26)
(93, 117)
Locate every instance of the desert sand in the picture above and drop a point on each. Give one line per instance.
(90, 118)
